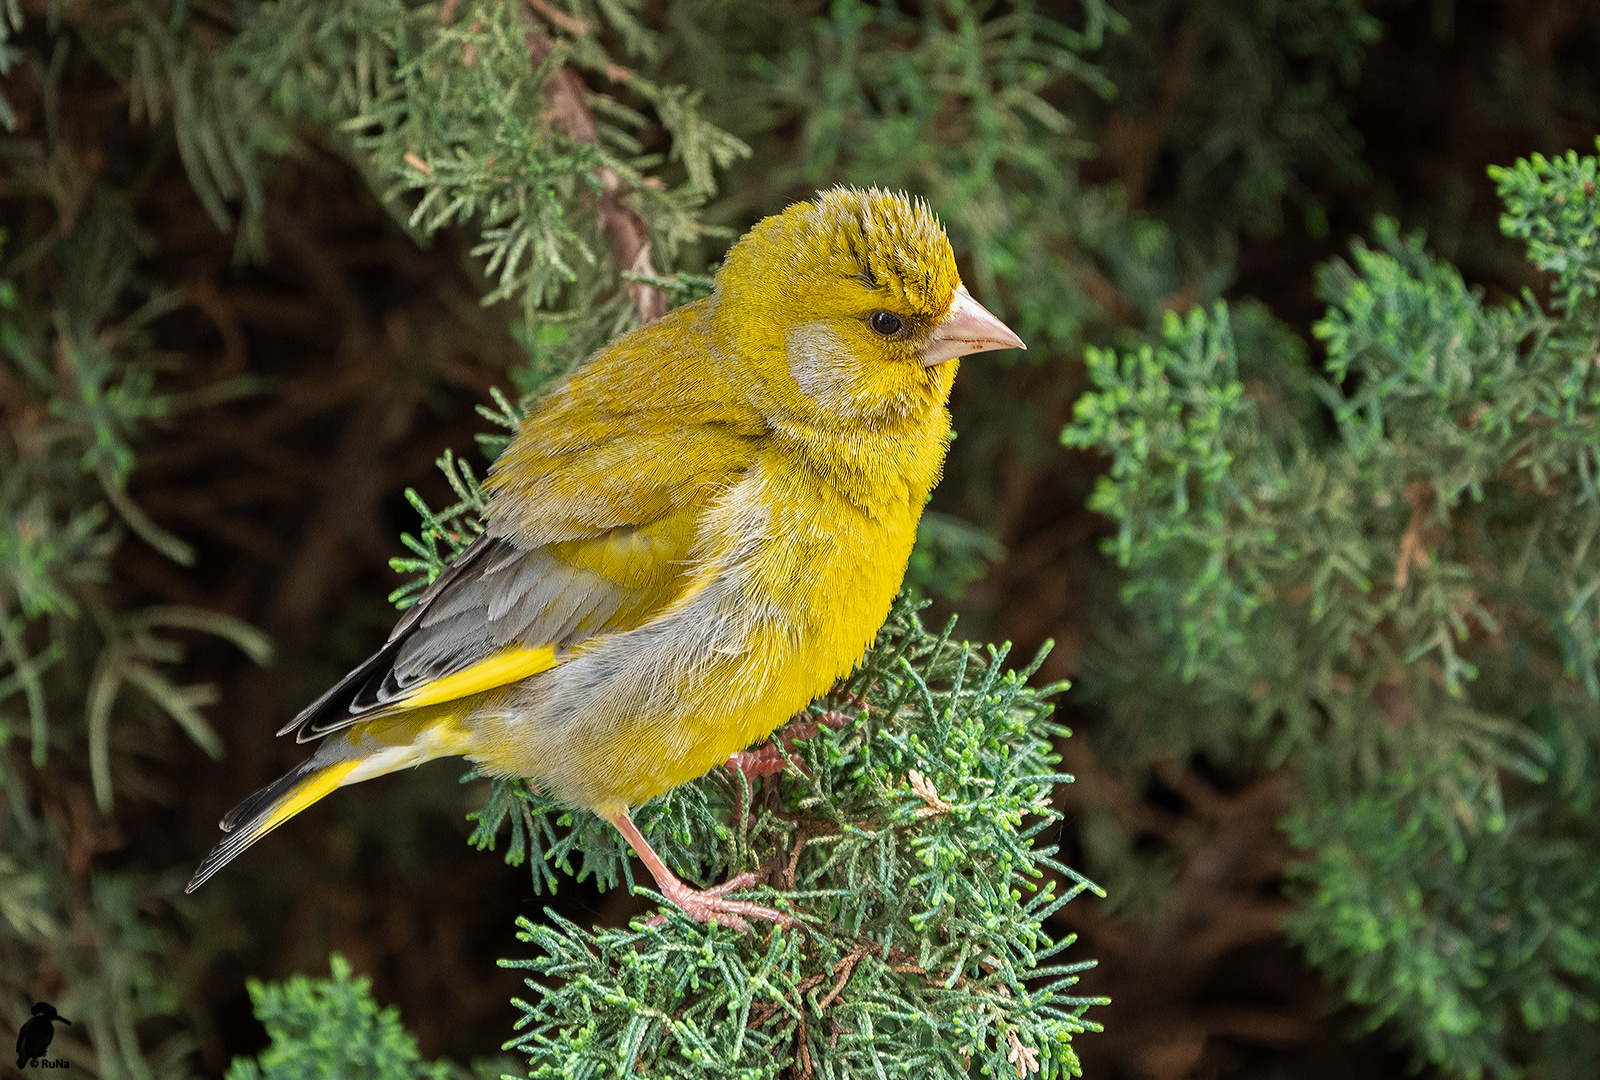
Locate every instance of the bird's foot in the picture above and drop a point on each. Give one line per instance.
(768, 760)
(701, 905)
(764, 760)
(712, 905)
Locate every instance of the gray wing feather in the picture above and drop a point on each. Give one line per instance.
(494, 595)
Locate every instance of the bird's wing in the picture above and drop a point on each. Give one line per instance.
(574, 554)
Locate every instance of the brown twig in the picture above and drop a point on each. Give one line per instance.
(1414, 541)
(842, 967)
(1025, 1058)
(932, 802)
(624, 227)
(571, 24)
(787, 878)
(806, 1070)
(851, 959)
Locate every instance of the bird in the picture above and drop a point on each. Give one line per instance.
(690, 538)
(34, 1038)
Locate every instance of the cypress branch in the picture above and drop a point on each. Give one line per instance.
(906, 834)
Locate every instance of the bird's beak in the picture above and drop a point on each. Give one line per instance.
(965, 329)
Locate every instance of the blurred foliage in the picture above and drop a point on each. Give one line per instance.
(330, 1029)
(88, 685)
(1273, 130)
(1403, 608)
(949, 555)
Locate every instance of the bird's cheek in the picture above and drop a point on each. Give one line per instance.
(824, 369)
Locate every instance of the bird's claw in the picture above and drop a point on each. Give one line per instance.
(764, 760)
(768, 760)
(712, 905)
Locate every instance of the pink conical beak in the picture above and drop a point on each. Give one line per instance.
(967, 328)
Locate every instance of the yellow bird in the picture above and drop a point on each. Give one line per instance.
(692, 537)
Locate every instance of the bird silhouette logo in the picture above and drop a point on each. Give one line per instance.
(34, 1038)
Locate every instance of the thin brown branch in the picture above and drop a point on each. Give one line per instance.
(1414, 541)
(845, 967)
(624, 227)
(556, 17)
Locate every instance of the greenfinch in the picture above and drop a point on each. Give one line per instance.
(693, 536)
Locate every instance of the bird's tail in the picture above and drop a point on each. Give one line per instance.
(270, 807)
(360, 753)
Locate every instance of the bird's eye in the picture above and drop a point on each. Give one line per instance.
(884, 323)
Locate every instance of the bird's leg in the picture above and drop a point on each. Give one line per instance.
(701, 905)
(767, 759)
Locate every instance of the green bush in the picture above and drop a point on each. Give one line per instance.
(331, 1029)
(1397, 595)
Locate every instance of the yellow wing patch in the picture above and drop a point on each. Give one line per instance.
(501, 669)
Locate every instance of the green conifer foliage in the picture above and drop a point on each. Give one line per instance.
(911, 840)
(1273, 113)
(331, 1029)
(1400, 603)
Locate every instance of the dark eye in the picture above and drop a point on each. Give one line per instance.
(882, 322)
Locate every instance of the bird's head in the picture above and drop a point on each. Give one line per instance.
(44, 1008)
(849, 308)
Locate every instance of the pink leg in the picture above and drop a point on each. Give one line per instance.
(701, 905)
